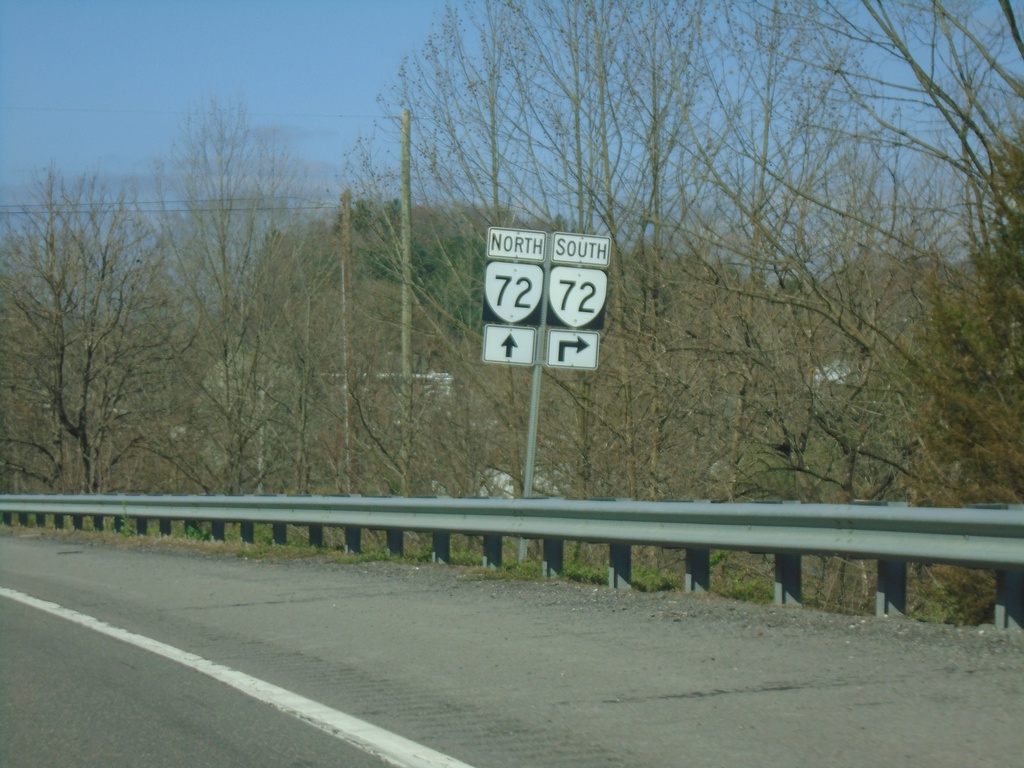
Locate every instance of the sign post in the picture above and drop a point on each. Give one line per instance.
(524, 293)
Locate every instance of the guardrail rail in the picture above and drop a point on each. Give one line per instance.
(990, 536)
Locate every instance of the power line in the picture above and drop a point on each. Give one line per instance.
(180, 113)
(170, 206)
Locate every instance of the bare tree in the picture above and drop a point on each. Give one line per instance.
(304, 351)
(228, 193)
(533, 131)
(84, 340)
(940, 78)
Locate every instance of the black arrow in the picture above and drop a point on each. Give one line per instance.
(509, 344)
(579, 344)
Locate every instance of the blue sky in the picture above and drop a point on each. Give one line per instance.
(103, 85)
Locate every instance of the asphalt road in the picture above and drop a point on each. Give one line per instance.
(72, 697)
(492, 673)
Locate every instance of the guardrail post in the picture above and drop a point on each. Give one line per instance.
(247, 530)
(217, 530)
(97, 522)
(165, 526)
(40, 520)
(280, 533)
(141, 526)
(316, 536)
(442, 549)
(1009, 613)
(698, 570)
(891, 589)
(23, 519)
(78, 522)
(8, 518)
(58, 522)
(554, 558)
(787, 572)
(787, 579)
(396, 543)
(891, 593)
(620, 566)
(492, 552)
(353, 540)
(1009, 600)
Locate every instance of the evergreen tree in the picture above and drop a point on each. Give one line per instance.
(972, 418)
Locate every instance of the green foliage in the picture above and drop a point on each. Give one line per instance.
(742, 576)
(646, 579)
(369, 556)
(528, 570)
(576, 570)
(263, 535)
(972, 362)
(194, 532)
(754, 590)
(441, 268)
(952, 595)
(463, 556)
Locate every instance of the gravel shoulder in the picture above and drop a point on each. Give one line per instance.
(667, 606)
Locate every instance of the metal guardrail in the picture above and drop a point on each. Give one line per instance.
(985, 537)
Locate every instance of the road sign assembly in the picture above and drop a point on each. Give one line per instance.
(524, 290)
(518, 296)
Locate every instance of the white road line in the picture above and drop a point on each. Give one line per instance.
(389, 747)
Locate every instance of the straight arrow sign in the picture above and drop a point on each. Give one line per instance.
(509, 344)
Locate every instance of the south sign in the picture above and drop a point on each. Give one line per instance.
(584, 250)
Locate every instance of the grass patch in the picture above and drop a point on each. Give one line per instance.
(576, 570)
(742, 576)
(464, 556)
(654, 580)
(528, 570)
(195, 532)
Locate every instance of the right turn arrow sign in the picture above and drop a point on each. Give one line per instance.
(565, 345)
(572, 349)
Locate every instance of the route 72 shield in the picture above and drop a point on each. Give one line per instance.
(576, 297)
(513, 293)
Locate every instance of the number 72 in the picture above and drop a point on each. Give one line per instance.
(583, 298)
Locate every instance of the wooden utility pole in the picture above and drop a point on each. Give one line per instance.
(346, 339)
(406, 451)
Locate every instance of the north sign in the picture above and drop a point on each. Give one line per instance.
(584, 250)
(513, 292)
(518, 244)
(576, 297)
